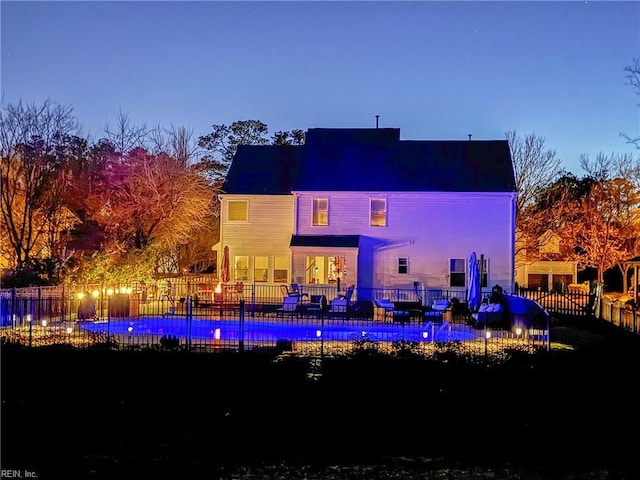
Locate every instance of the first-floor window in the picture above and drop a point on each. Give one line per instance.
(457, 272)
(281, 270)
(403, 265)
(484, 272)
(241, 268)
(261, 269)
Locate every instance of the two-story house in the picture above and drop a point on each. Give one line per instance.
(362, 207)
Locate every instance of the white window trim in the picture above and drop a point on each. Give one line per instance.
(386, 212)
(313, 202)
(407, 266)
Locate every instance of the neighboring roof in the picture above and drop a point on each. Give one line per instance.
(372, 159)
(352, 241)
(263, 169)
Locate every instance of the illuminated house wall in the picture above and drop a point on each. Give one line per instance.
(432, 201)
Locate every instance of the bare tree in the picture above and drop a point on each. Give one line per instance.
(633, 80)
(126, 136)
(535, 168)
(608, 167)
(30, 136)
(178, 142)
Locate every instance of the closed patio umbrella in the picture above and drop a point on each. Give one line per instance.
(224, 267)
(473, 283)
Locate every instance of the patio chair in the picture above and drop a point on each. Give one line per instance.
(294, 291)
(384, 310)
(290, 306)
(347, 294)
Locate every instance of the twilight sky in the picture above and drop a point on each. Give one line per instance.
(436, 70)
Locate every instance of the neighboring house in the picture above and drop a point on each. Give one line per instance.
(363, 207)
(545, 268)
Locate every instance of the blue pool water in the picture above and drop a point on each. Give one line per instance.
(256, 331)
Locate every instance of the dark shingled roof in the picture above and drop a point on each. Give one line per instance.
(263, 169)
(325, 240)
(373, 160)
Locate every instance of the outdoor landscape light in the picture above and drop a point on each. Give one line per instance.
(69, 330)
(130, 329)
(28, 317)
(80, 295)
(518, 331)
(110, 292)
(43, 323)
(488, 334)
(95, 293)
(318, 333)
(364, 334)
(425, 335)
(216, 334)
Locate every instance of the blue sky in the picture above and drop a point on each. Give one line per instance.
(436, 70)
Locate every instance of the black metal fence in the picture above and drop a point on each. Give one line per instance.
(204, 317)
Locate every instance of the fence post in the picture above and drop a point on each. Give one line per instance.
(241, 328)
(189, 312)
(31, 319)
(40, 305)
(13, 307)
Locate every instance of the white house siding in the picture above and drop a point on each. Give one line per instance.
(428, 228)
(266, 233)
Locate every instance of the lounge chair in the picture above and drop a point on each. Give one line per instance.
(384, 310)
(436, 312)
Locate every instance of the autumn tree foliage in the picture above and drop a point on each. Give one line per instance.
(595, 218)
(33, 139)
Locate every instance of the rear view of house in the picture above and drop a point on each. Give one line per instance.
(362, 207)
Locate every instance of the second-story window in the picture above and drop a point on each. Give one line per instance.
(378, 212)
(237, 211)
(320, 211)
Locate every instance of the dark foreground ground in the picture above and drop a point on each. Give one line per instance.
(160, 415)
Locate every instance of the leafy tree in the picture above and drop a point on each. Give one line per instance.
(221, 144)
(293, 137)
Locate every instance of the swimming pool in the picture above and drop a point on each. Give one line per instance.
(270, 332)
